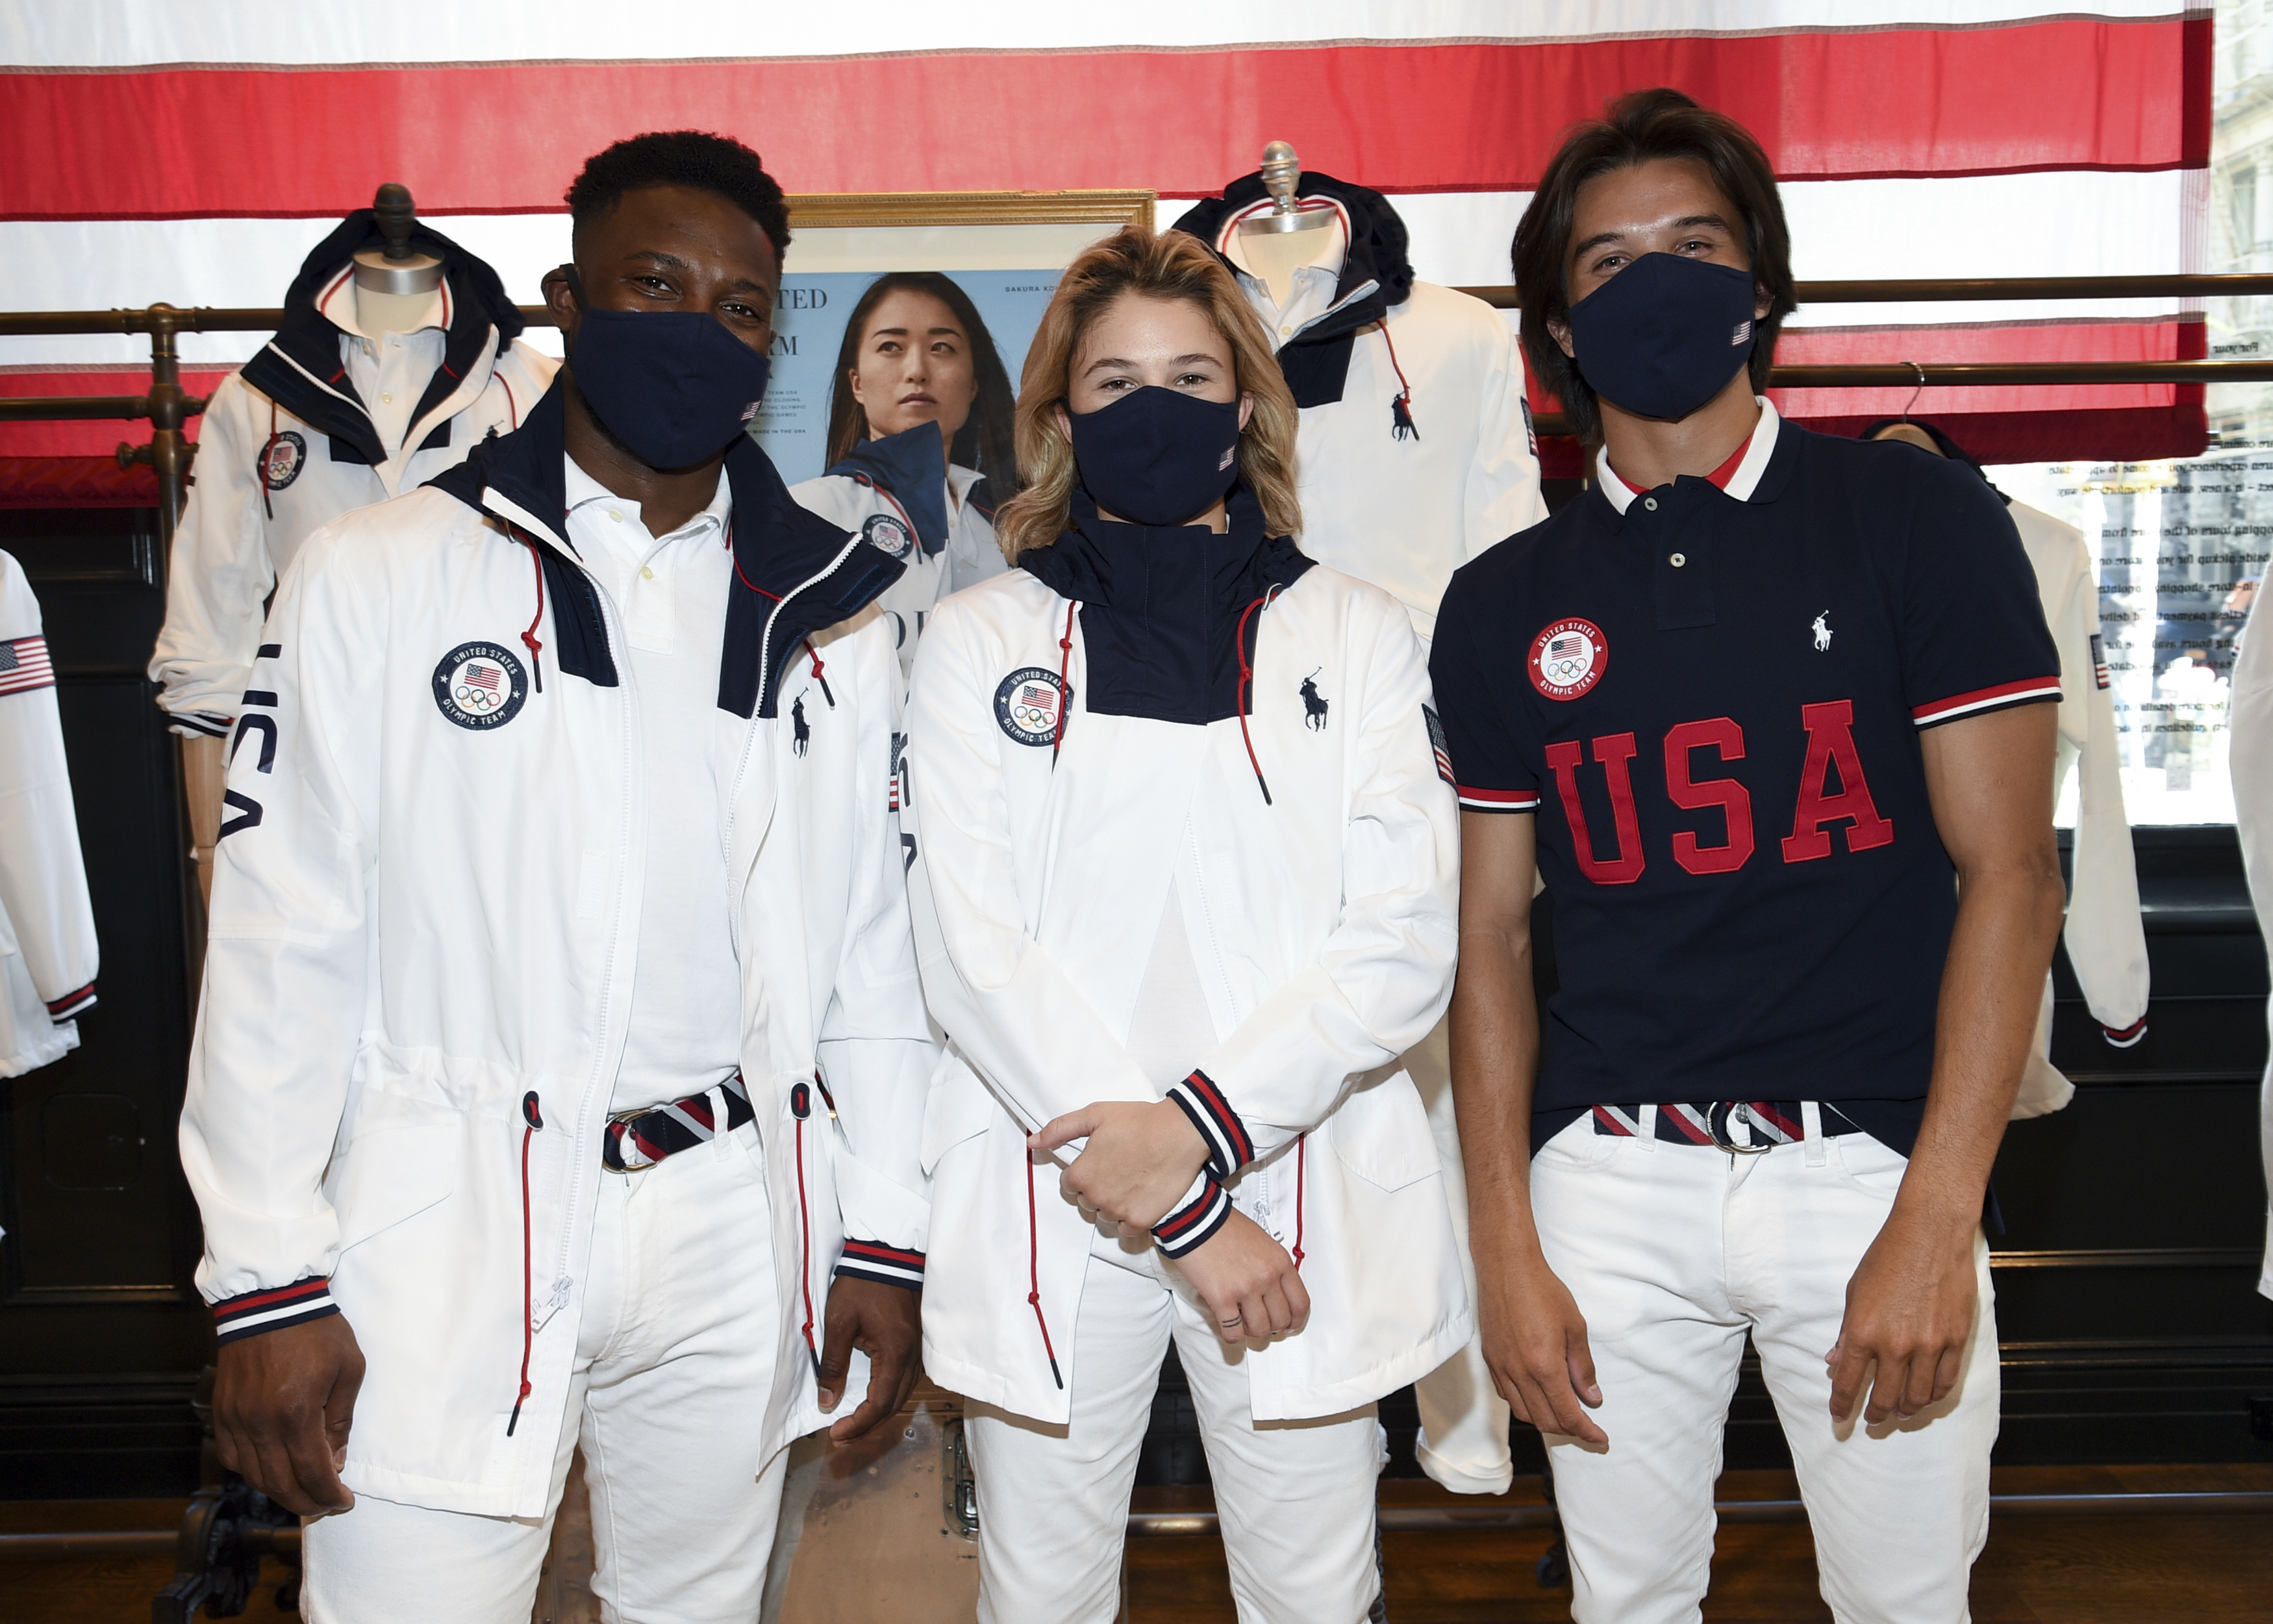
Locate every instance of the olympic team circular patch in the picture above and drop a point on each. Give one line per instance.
(1568, 658)
(280, 465)
(480, 686)
(1029, 704)
(888, 535)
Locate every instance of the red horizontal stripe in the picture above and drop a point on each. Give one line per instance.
(1501, 797)
(171, 143)
(257, 1300)
(1982, 696)
(870, 1249)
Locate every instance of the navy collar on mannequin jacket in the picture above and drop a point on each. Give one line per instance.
(1160, 607)
(1315, 361)
(910, 467)
(795, 573)
(307, 345)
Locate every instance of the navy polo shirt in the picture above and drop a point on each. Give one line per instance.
(1712, 700)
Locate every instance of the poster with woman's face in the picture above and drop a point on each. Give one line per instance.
(943, 346)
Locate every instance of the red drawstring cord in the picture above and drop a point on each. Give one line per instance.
(532, 1119)
(1034, 1276)
(1301, 1145)
(1247, 685)
(804, 1230)
(1401, 407)
(817, 676)
(266, 446)
(511, 406)
(1057, 738)
(528, 638)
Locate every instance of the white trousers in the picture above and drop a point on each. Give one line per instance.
(1463, 1442)
(1675, 1252)
(1295, 1499)
(674, 1362)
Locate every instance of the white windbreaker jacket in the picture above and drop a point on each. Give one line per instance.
(1322, 921)
(287, 446)
(422, 942)
(2105, 936)
(47, 954)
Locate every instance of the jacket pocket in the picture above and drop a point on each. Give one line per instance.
(958, 1108)
(394, 1169)
(1380, 1131)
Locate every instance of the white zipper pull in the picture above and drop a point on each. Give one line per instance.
(552, 1304)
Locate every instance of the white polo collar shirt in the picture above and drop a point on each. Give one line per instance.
(390, 370)
(1740, 480)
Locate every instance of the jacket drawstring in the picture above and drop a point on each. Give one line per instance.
(1057, 738)
(800, 1106)
(1034, 1276)
(1400, 405)
(266, 446)
(1246, 683)
(532, 1119)
(817, 669)
(1302, 1144)
(528, 638)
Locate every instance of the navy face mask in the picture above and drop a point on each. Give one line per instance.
(1158, 456)
(1665, 334)
(675, 386)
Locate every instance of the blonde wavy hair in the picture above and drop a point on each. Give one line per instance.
(1169, 265)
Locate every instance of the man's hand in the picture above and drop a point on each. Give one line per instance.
(886, 1323)
(1536, 1345)
(1139, 1161)
(1910, 1309)
(1251, 1287)
(283, 1402)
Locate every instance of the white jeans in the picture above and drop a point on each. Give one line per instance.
(1675, 1252)
(1295, 1499)
(674, 1361)
(1463, 1442)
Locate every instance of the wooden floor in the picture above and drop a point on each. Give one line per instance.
(2038, 1569)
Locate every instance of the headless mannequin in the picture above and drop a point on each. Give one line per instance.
(395, 289)
(1273, 247)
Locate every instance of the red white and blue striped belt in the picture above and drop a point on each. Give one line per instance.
(1746, 1126)
(660, 1131)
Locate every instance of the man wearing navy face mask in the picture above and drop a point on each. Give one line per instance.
(561, 1059)
(1773, 716)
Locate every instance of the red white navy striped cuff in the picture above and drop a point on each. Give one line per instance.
(1230, 1147)
(2124, 1036)
(1194, 1224)
(871, 1259)
(24, 665)
(255, 1311)
(71, 1003)
(202, 724)
(1472, 799)
(2026, 691)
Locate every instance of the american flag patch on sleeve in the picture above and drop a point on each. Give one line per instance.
(1439, 745)
(2098, 660)
(24, 665)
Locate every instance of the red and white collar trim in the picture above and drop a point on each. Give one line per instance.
(1739, 476)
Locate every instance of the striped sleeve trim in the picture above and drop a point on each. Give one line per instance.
(2124, 1038)
(255, 1311)
(25, 665)
(1472, 799)
(201, 724)
(1230, 1147)
(871, 1259)
(2026, 691)
(71, 1003)
(1195, 1223)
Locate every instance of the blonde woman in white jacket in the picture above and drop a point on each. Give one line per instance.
(1184, 876)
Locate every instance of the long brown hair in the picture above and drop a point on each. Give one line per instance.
(983, 443)
(1169, 265)
(1635, 128)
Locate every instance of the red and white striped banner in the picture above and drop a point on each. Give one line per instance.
(151, 151)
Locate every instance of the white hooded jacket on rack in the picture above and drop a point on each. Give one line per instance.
(1322, 919)
(423, 941)
(47, 956)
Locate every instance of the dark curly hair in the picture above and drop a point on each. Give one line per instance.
(1635, 128)
(693, 158)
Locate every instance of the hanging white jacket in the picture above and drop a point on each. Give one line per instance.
(286, 444)
(2251, 720)
(884, 493)
(1321, 915)
(2105, 936)
(47, 956)
(425, 928)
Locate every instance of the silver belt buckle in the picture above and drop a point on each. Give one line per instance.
(1740, 1109)
(627, 1168)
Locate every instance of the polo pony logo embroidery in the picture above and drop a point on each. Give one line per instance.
(1822, 630)
(1314, 704)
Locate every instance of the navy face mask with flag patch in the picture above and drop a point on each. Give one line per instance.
(1158, 456)
(674, 386)
(1665, 334)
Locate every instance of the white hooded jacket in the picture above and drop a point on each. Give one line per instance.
(1321, 915)
(424, 932)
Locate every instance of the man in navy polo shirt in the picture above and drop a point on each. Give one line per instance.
(1782, 706)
